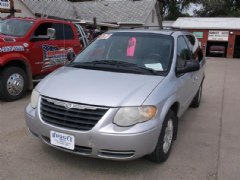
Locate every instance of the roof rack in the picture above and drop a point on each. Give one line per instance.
(153, 28)
(142, 27)
(171, 28)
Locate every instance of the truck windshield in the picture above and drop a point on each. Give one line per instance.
(14, 27)
(143, 50)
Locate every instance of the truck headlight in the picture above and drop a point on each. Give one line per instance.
(34, 99)
(128, 116)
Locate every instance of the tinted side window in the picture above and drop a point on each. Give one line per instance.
(191, 40)
(59, 31)
(42, 29)
(63, 31)
(194, 47)
(183, 53)
(68, 32)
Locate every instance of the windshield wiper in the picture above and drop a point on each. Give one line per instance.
(113, 62)
(118, 64)
(125, 64)
(107, 62)
(149, 70)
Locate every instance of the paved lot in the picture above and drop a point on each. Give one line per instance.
(208, 145)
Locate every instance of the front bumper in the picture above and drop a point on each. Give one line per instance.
(104, 140)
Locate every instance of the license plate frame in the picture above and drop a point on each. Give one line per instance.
(63, 140)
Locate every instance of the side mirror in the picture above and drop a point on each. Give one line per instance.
(51, 33)
(191, 66)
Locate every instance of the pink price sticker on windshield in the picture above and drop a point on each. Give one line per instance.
(131, 47)
(104, 36)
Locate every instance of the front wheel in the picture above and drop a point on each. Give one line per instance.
(13, 83)
(165, 140)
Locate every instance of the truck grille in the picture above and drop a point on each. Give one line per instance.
(70, 115)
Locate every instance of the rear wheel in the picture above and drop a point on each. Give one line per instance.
(13, 83)
(165, 140)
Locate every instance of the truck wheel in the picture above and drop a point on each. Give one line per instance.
(197, 99)
(13, 84)
(165, 140)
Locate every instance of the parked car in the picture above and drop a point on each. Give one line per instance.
(217, 50)
(121, 97)
(32, 48)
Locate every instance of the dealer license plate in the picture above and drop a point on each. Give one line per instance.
(62, 140)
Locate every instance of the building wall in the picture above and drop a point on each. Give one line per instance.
(231, 39)
(152, 19)
(232, 42)
(19, 5)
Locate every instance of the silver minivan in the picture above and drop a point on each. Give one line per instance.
(121, 98)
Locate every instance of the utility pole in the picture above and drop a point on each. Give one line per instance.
(7, 6)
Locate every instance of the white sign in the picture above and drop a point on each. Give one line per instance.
(218, 35)
(11, 49)
(63, 140)
(4, 4)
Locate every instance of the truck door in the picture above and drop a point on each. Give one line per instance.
(49, 54)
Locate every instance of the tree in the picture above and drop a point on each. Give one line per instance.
(169, 9)
(172, 9)
(222, 8)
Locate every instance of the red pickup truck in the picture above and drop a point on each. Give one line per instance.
(32, 48)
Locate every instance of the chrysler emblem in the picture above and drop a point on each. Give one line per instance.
(68, 105)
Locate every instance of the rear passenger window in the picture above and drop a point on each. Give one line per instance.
(194, 47)
(68, 32)
(183, 53)
(63, 31)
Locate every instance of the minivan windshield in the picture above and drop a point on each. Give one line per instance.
(133, 52)
(15, 27)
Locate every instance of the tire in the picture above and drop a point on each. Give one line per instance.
(163, 148)
(197, 99)
(13, 83)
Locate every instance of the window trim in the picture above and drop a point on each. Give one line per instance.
(196, 41)
(179, 75)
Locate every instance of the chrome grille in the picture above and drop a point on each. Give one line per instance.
(70, 115)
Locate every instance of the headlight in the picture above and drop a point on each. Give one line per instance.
(34, 99)
(128, 116)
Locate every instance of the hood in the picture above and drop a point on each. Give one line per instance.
(100, 88)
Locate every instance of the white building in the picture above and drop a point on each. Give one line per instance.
(124, 13)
